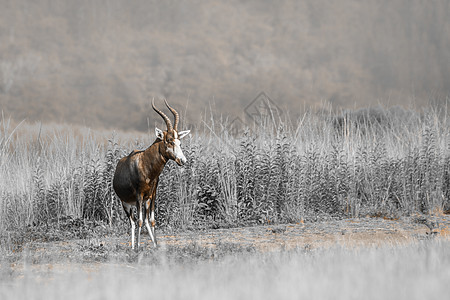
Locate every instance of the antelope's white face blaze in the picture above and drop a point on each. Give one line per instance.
(174, 145)
(177, 152)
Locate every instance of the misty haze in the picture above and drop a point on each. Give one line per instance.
(98, 63)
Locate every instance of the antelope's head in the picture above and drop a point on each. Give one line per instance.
(171, 137)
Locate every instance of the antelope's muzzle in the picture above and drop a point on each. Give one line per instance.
(180, 161)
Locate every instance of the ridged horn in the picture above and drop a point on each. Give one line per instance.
(175, 115)
(163, 115)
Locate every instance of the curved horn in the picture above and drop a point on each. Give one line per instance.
(165, 118)
(175, 115)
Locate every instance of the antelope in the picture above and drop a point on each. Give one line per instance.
(137, 175)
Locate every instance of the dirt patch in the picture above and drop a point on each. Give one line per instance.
(349, 233)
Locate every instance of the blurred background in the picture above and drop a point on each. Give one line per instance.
(99, 63)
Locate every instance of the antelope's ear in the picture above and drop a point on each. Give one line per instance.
(159, 133)
(182, 134)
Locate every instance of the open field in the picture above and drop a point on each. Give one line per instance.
(334, 206)
(366, 258)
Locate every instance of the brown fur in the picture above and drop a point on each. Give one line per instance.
(137, 176)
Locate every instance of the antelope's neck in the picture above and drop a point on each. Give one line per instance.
(154, 160)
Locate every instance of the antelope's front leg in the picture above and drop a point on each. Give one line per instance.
(151, 231)
(133, 229)
(150, 210)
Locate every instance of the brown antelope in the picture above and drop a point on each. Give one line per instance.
(137, 175)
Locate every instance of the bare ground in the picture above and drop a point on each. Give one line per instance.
(348, 233)
(93, 258)
(44, 255)
(100, 243)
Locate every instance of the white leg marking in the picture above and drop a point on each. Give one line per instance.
(133, 228)
(129, 208)
(147, 225)
(152, 218)
(152, 221)
(150, 232)
(140, 225)
(139, 237)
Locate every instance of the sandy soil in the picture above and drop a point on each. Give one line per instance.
(46, 262)
(47, 258)
(348, 233)
(306, 236)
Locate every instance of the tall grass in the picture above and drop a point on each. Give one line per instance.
(377, 162)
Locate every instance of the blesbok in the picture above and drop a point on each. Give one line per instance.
(137, 175)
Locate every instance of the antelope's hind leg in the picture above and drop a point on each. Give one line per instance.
(129, 211)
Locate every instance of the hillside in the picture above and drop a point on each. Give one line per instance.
(98, 63)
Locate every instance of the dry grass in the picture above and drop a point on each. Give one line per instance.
(376, 162)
